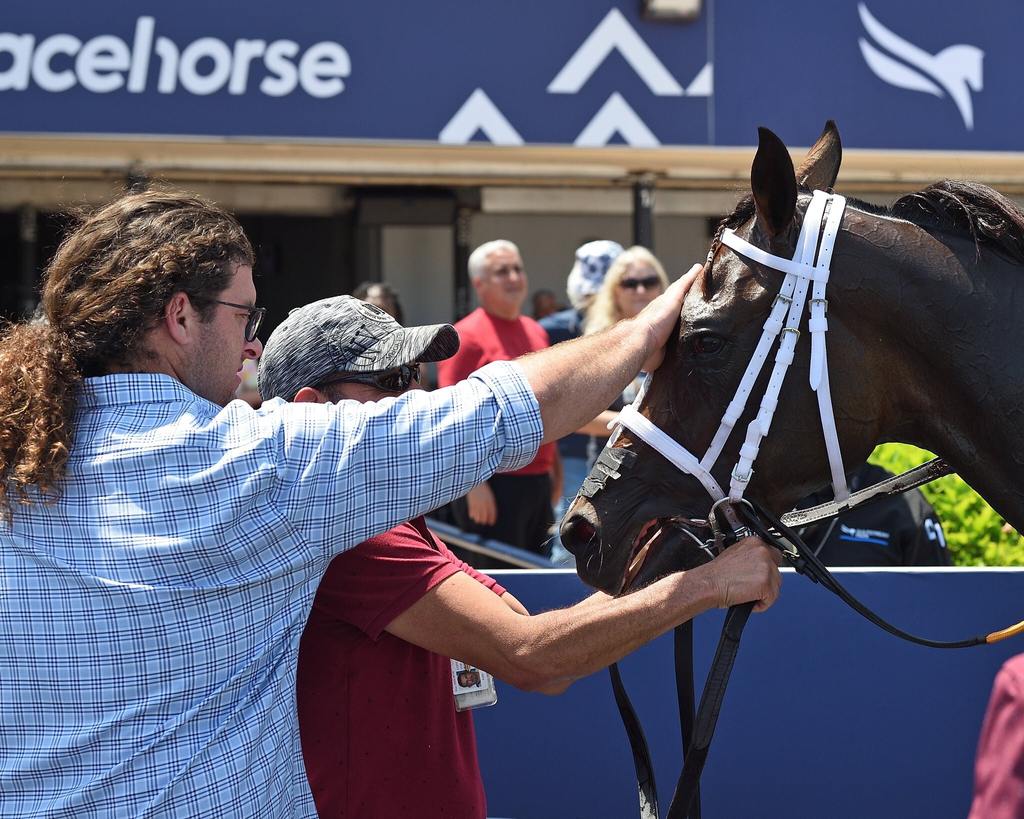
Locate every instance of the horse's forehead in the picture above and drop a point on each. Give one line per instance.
(735, 284)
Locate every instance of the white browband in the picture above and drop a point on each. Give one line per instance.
(808, 269)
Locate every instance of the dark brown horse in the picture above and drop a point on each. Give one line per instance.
(925, 341)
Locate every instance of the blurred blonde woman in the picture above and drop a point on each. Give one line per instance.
(634, 280)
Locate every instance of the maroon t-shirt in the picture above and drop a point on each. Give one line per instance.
(999, 766)
(484, 338)
(380, 733)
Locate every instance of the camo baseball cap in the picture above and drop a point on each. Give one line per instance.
(344, 335)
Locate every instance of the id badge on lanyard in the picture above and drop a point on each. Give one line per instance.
(472, 687)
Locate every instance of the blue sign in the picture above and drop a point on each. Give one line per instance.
(914, 75)
(918, 74)
(826, 715)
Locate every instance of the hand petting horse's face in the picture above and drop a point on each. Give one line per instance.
(628, 531)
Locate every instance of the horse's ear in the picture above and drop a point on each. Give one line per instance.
(773, 183)
(820, 167)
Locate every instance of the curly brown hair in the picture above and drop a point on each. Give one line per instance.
(107, 286)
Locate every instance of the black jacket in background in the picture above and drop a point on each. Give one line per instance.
(897, 531)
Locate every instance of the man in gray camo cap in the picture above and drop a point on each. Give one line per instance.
(345, 340)
(372, 626)
(374, 672)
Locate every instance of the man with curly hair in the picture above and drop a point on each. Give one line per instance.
(161, 544)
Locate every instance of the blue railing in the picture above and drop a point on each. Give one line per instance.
(826, 716)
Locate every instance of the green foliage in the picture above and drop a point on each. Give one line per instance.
(975, 533)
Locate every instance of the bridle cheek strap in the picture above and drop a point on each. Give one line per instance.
(817, 324)
(808, 269)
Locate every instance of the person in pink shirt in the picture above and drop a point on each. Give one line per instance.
(999, 766)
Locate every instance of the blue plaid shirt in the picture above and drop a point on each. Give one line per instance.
(150, 618)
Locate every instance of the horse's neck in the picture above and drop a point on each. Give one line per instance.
(964, 321)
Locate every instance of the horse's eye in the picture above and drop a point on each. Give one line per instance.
(706, 344)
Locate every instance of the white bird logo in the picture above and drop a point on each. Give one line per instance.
(956, 70)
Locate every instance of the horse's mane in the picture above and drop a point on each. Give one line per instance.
(949, 206)
(741, 214)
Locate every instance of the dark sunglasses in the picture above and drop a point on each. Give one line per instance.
(256, 315)
(648, 283)
(395, 380)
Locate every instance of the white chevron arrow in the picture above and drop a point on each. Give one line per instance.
(614, 117)
(478, 113)
(615, 32)
(703, 84)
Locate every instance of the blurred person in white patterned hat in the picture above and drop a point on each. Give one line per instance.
(589, 268)
(590, 265)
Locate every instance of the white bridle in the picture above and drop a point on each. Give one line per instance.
(817, 238)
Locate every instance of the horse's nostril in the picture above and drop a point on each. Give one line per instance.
(586, 531)
(578, 531)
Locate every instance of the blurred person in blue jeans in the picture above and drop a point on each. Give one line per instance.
(591, 264)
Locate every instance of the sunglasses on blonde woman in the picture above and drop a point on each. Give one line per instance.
(647, 283)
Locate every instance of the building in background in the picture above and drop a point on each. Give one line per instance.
(383, 140)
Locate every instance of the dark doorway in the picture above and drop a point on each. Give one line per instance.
(28, 240)
(299, 259)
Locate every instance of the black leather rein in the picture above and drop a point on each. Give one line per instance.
(698, 728)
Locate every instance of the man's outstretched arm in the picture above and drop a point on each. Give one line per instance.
(459, 435)
(545, 652)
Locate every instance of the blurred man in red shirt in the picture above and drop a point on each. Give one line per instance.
(513, 507)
